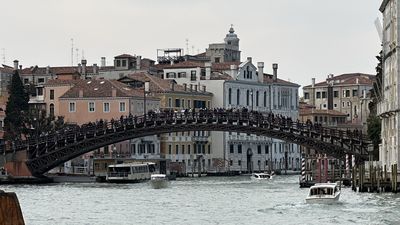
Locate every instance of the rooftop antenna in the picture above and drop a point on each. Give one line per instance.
(77, 56)
(193, 49)
(72, 51)
(4, 55)
(378, 26)
(187, 46)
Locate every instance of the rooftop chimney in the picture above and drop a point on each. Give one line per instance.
(249, 59)
(204, 88)
(103, 62)
(114, 92)
(208, 70)
(84, 67)
(20, 67)
(260, 66)
(312, 82)
(48, 70)
(138, 62)
(185, 86)
(357, 81)
(275, 69)
(79, 68)
(234, 71)
(95, 68)
(15, 64)
(191, 87)
(172, 86)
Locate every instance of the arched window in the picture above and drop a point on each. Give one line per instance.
(256, 98)
(248, 98)
(238, 97)
(265, 99)
(230, 96)
(51, 109)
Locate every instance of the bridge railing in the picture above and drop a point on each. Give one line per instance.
(70, 134)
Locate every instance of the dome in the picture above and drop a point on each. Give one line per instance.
(231, 36)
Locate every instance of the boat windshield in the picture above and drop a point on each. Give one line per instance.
(322, 191)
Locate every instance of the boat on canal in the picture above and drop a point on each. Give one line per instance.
(158, 181)
(323, 193)
(130, 172)
(261, 176)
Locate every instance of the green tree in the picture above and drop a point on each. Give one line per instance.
(36, 122)
(16, 109)
(373, 121)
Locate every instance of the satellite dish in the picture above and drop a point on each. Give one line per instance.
(378, 26)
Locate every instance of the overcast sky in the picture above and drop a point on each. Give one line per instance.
(307, 38)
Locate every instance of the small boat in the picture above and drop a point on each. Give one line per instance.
(158, 181)
(323, 193)
(261, 176)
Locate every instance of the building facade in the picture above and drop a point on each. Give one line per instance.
(346, 93)
(388, 107)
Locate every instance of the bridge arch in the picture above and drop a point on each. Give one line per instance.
(56, 148)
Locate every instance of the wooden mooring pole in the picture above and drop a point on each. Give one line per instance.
(10, 211)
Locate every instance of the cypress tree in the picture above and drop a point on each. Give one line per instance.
(17, 107)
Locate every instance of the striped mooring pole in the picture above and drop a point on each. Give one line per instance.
(303, 168)
(347, 166)
(353, 162)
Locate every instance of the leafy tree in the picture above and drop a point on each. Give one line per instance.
(374, 122)
(17, 107)
(36, 122)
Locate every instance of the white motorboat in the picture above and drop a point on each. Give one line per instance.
(158, 181)
(261, 176)
(323, 193)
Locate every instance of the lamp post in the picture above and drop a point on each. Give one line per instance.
(145, 91)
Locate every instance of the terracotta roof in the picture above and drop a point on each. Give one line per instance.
(101, 89)
(159, 85)
(347, 79)
(268, 78)
(6, 70)
(330, 112)
(223, 66)
(220, 76)
(56, 82)
(125, 56)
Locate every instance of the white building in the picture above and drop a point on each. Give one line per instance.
(242, 87)
(388, 107)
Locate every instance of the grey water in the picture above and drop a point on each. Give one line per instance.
(206, 200)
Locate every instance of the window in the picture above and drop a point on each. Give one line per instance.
(240, 149)
(193, 75)
(237, 97)
(348, 103)
(181, 74)
(169, 149)
(40, 91)
(231, 149)
(265, 99)
(239, 162)
(51, 94)
(188, 149)
(122, 107)
(106, 107)
(176, 149)
(183, 149)
(266, 149)
(256, 98)
(177, 103)
(123, 63)
(169, 102)
(170, 75)
(259, 149)
(41, 80)
(91, 106)
(51, 109)
(306, 95)
(324, 94)
(355, 93)
(335, 94)
(335, 105)
(347, 93)
(209, 149)
(118, 63)
(318, 94)
(248, 98)
(324, 106)
(189, 103)
(26, 81)
(72, 107)
(183, 103)
(217, 59)
(230, 96)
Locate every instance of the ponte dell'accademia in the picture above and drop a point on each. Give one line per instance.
(56, 147)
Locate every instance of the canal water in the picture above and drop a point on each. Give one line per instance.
(206, 200)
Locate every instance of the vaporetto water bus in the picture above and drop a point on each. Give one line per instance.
(130, 172)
